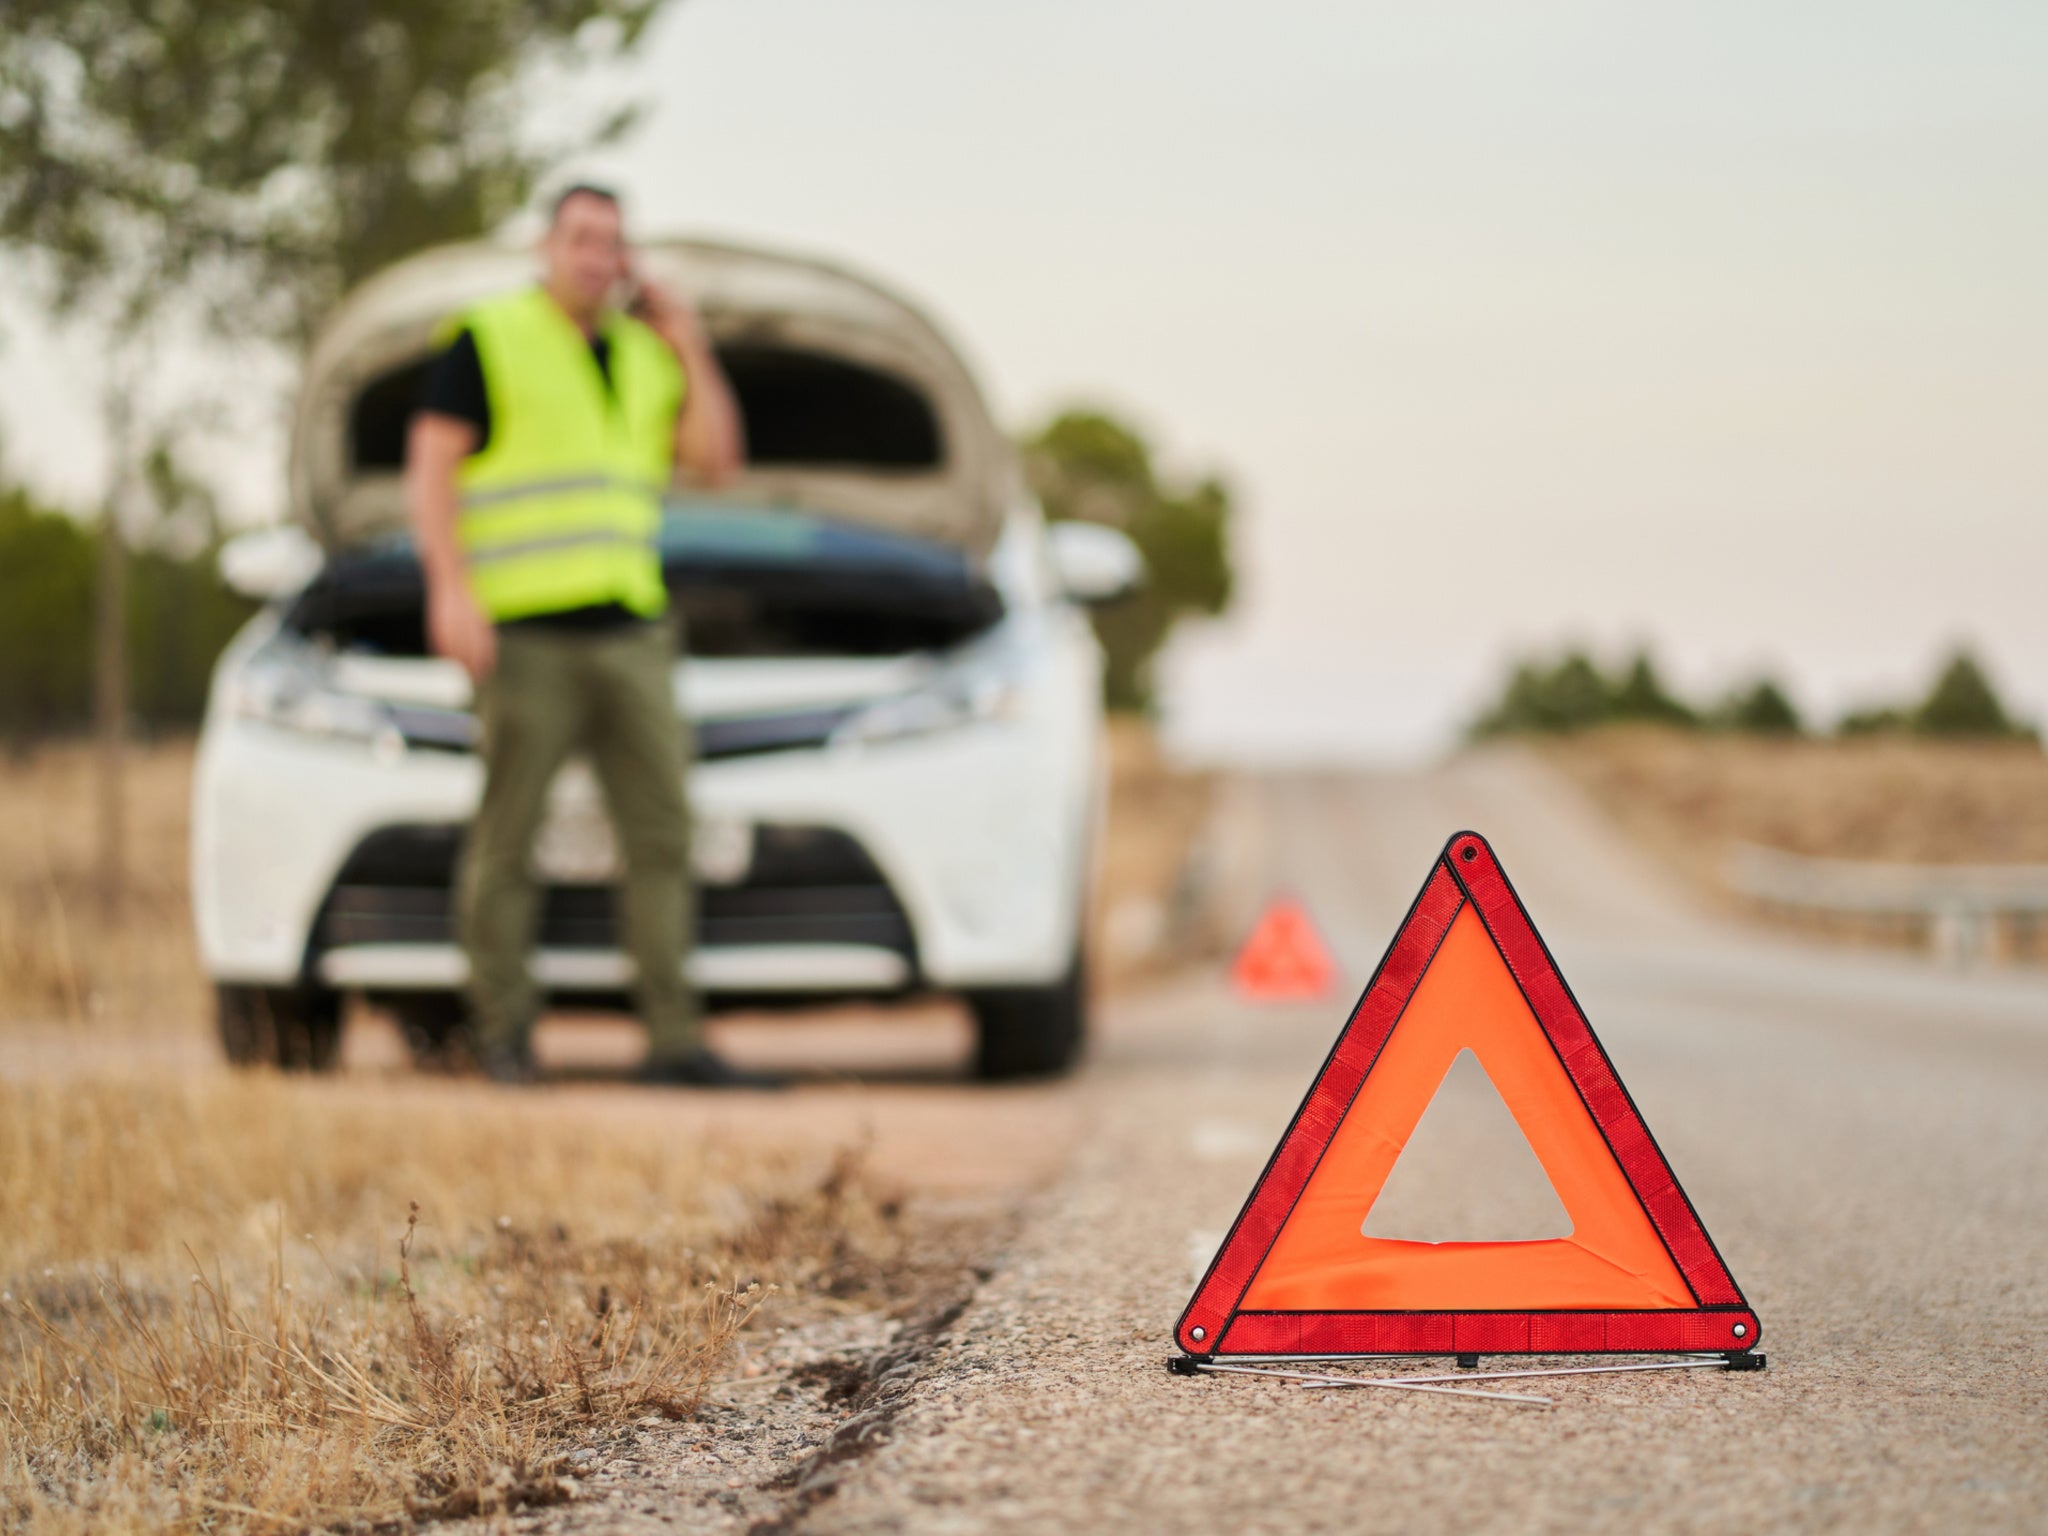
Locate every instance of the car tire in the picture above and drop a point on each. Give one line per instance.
(1031, 1031)
(297, 1028)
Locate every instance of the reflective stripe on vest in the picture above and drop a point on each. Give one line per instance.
(562, 507)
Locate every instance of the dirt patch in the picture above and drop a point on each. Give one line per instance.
(806, 1405)
(877, 1389)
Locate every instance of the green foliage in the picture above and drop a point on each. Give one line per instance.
(1572, 694)
(1761, 709)
(46, 586)
(239, 163)
(1878, 720)
(1641, 695)
(261, 156)
(1566, 696)
(1086, 465)
(179, 616)
(1962, 702)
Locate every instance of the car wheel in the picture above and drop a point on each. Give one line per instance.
(436, 1029)
(298, 1028)
(1031, 1031)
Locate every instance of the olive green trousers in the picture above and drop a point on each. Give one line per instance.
(608, 696)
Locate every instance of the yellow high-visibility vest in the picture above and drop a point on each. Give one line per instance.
(562, 507)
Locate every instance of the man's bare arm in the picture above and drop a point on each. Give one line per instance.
(456, 625)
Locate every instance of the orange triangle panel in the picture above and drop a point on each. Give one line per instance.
(1284, 959)
(1297, 1274)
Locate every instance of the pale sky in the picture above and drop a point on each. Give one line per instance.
(1721, 326)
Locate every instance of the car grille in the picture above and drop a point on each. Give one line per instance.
(806, 885)
(454, 730)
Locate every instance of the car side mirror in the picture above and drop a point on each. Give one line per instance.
(270, 563)
(1094, 563)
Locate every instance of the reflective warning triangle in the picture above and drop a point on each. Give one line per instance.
(1298, 1276)
(1284, 959)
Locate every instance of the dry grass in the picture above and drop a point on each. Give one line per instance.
(61, 956)
(1864, 798)
(1147, 920)
(1691, 797)
(252, 1304)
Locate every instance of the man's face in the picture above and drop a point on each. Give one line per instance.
(585, 250)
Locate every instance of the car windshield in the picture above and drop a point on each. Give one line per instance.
(750, 581)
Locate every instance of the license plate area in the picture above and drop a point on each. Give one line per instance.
(576, 844)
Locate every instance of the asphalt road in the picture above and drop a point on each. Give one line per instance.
(1866, 1137)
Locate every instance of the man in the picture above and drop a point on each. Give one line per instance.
(547, 432)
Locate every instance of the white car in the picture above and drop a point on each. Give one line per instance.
(892, 684)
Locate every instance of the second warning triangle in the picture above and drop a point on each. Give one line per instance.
(1284, 960)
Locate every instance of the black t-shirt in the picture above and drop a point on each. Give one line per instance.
(453, 385)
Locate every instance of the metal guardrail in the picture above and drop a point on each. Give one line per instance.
(1962, 904)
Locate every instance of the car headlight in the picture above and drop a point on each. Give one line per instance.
(990, 686)
(286, 685)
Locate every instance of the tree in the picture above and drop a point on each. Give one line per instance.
(1962, 702)
(261, 156)
(1761, 709)
(1641, 695)
(1567, 695)
(1573, 694)
(178, 613)
(46, 584)
(1088, 466)
(233, 165)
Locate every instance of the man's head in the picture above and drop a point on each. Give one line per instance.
(584, 250)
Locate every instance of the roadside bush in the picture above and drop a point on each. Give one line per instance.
(1572, 694)
(1961, 704)
(1874, 721)
(1761, 709)
(1642, 696)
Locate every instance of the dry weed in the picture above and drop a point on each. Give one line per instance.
(1692, 797)
(1147, 918)
(252, 1304)
(61, 955)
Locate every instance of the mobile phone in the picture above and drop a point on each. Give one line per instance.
(632, 293)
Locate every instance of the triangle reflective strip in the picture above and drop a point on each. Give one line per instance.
(1297, 1275)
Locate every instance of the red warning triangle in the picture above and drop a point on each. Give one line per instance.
(1298, 1276)
(1284, 960)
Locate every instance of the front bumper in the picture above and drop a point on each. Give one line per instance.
(951, 861)
(813, 912)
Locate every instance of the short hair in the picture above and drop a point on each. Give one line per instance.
(579, 189)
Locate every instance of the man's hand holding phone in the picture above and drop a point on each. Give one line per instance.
(664, 311)
(710, 441)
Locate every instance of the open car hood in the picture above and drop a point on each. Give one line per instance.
(855, 406)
